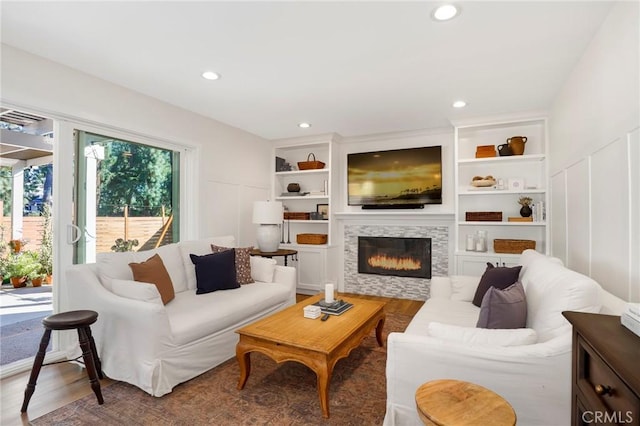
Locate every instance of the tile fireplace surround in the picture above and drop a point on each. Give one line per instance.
(392, 286)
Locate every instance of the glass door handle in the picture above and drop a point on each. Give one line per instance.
(73, 234)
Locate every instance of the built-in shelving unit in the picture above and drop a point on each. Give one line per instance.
(313, 259)
(529, 171)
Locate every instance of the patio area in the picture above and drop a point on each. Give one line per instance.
(21, 313)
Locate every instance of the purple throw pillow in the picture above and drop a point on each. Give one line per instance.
(499, 278)
(504, 308)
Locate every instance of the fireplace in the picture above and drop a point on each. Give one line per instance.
(401, 257)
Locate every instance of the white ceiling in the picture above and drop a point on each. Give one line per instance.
(348, 67)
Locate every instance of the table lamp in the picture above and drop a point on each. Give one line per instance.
(267, 215)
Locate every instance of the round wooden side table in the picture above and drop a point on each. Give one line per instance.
(454, 402)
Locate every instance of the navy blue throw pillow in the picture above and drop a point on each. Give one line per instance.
(216, 271)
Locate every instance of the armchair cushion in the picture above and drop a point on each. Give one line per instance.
(215, 271)
(262, 268)
(463, 287)
(153, 271)
(499, 278)
(130, 289)
(483, 336)
(503, 308)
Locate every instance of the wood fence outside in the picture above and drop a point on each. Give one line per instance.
(147, 230)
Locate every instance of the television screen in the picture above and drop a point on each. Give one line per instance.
(411, 176)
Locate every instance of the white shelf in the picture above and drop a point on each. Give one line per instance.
(485, 253)
(306, 221)
(295, 246)
(496, 223)
(503, 160)
(303, 197)
(499, 191)
(302, 172)
(531, 168)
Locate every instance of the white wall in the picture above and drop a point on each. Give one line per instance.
(595, 158)
(232, 167)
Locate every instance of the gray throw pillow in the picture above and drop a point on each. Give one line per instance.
(498, 277)
(504, 308)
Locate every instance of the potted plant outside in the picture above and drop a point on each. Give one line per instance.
(22, 266)
(45, 255)
(3, 256)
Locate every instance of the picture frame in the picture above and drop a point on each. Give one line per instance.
(323, 209)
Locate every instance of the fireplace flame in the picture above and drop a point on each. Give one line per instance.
(394, 263)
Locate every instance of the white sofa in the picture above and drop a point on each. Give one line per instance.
(534, 378)
(155, 346)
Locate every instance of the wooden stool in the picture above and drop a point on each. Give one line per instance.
(80, 320)
(454, 402)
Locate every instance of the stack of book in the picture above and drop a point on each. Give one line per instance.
(336, 308)
(630, 318)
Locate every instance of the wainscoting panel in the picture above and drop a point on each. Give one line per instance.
(578, 223)
(558, 221)
(228, 207)
(633, 143)
(391, 286)
(609, 193)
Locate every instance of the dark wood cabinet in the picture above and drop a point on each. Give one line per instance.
(605, 371)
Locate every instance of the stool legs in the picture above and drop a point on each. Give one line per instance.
(89, 362)
(89, 355)
(35, 371)
(94, 351)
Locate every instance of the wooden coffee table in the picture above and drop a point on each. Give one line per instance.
(288, 336)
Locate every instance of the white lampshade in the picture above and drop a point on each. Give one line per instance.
(267, 212)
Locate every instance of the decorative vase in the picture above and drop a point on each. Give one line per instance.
(516, 143)
(525, 211)
(293, 187)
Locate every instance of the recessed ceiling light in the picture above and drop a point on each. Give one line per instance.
(210, 75)
(459, 104)
(304, 125)
(445, 12)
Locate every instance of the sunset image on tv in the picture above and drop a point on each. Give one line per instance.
(402, 176)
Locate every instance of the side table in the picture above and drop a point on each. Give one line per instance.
(281, 252)
(454, 402)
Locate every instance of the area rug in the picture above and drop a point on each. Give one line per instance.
(275, 394)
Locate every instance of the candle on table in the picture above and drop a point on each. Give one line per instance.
(328, 293)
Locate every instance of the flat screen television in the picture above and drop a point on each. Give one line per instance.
(410, 177)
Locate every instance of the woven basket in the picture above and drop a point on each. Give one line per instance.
(297, 215)
(310, 165)
(311, 238)
(483, 216)
(513, 246)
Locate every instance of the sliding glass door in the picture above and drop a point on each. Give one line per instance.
(126, 196)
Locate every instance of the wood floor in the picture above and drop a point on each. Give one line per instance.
(61, 384)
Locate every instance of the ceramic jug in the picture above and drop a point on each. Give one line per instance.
(504, 150)
(516, 143)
